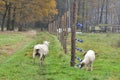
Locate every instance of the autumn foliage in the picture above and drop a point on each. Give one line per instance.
(26, 11)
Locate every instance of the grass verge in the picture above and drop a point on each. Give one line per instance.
(19, 66)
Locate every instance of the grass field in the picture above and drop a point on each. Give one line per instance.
(18, 64)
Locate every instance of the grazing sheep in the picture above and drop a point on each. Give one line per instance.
(41, 50)
(88, 60)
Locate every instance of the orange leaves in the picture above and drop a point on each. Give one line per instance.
(32, 10)
(43, 8)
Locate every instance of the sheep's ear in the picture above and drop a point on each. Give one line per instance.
(82, 64)
(84, 54)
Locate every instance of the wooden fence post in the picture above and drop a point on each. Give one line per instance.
(73, 32)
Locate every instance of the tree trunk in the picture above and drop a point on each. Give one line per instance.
(83, 14)
(4, 16)
(9, 17)
(101, 13)
(14, 15)
(20, 27)
(98, 11)
(20, 23)
(106, 18)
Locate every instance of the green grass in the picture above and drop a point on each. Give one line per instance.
(10, 39)
(19, 66)
(10, 42)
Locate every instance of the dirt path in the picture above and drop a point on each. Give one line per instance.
(10, 49)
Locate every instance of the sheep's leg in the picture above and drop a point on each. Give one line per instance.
(41, 58)
(86, 67)
(40, 61)
(89, 67)
(34, 57)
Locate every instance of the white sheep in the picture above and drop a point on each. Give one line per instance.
(88, 60)
(41, 50)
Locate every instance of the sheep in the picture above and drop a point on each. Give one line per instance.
(88, 60)
(41, 50)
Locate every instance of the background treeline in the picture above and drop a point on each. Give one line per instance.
(39, 13)
(23, 13)
(95, 14)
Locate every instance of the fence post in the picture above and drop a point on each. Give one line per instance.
(73, 31)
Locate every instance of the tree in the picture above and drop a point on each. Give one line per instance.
(5, 13)
(26, 11)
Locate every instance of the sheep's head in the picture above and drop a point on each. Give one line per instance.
(82, 64)
(46, 43)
